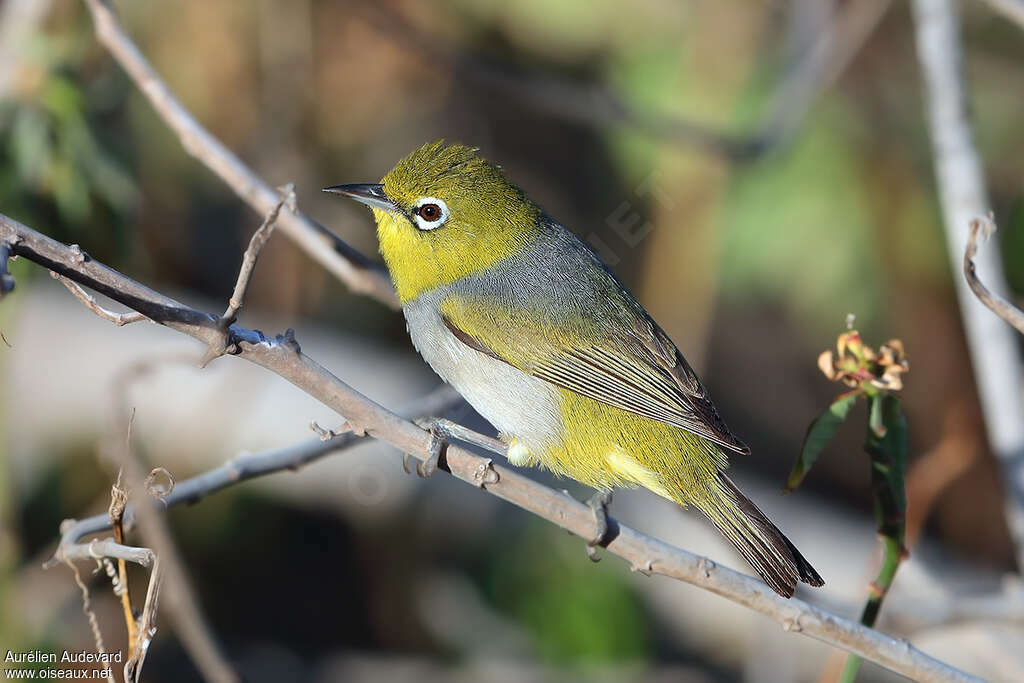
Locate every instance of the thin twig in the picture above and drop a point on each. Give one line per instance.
(643, 552)
(350, 266)
(994, 354)
(997, 304)
(250, 466)
(90, 614)
(146, 625)
(252, 252)
(98, 548)
(118, 502)
(119, 319)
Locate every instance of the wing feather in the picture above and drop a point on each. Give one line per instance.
(641, 372)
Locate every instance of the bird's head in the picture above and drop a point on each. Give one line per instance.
(444, 213)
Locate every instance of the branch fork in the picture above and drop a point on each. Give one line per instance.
(226, 343)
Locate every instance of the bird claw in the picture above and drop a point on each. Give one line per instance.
(442, 432)
(598, 503)
(439, 436)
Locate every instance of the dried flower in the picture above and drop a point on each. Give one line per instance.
(858, 366)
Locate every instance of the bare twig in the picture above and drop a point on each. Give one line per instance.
(252, 252)
(997, 304)
(118, 502)
(146, 625)
(99, 548)
(642, 552)
(345, 262)
(89, 301)
(993, 347)
(90, 614)
(245, 467)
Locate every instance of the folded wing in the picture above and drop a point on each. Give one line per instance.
(628, 363)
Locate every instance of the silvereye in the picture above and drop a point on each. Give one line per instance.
(546, 343)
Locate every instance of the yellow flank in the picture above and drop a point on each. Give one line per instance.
(607, 447)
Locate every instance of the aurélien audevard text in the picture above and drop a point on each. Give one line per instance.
(66, 656)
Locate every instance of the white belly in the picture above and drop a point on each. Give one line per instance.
(518, 404)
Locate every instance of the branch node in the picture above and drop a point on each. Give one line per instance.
(792, 625)
(287, 192)
(485, 474)
(77, 254)
(328, 434)
(288, 339)
(646, 568)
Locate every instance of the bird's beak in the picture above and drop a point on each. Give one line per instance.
(371, 194)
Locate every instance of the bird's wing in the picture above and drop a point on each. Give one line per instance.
(624, 360)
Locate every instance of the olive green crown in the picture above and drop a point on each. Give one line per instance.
(451, 172)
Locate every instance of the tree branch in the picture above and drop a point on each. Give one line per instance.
(961, 186)
(995, 303)
(245, 467)
(283, 357)
(350, 266)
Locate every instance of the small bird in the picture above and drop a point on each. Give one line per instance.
(546, 343)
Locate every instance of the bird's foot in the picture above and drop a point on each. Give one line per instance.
(598, 503)
(441, 433)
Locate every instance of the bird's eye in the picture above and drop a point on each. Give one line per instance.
(429, 213)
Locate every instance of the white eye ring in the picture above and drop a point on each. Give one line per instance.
(426, 223)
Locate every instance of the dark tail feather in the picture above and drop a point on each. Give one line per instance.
(760, 542)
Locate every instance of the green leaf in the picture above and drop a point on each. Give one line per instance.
(819, 434)
(887, 446)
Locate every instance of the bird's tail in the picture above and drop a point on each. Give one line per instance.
(760, 542)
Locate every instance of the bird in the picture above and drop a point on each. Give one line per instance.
(543, 340)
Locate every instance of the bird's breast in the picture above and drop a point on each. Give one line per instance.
(517, 404)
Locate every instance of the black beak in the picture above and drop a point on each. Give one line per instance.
(371, 194)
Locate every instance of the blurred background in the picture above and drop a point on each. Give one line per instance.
(754, 171)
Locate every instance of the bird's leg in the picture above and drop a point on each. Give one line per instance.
(441, 433)
(598, 503)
